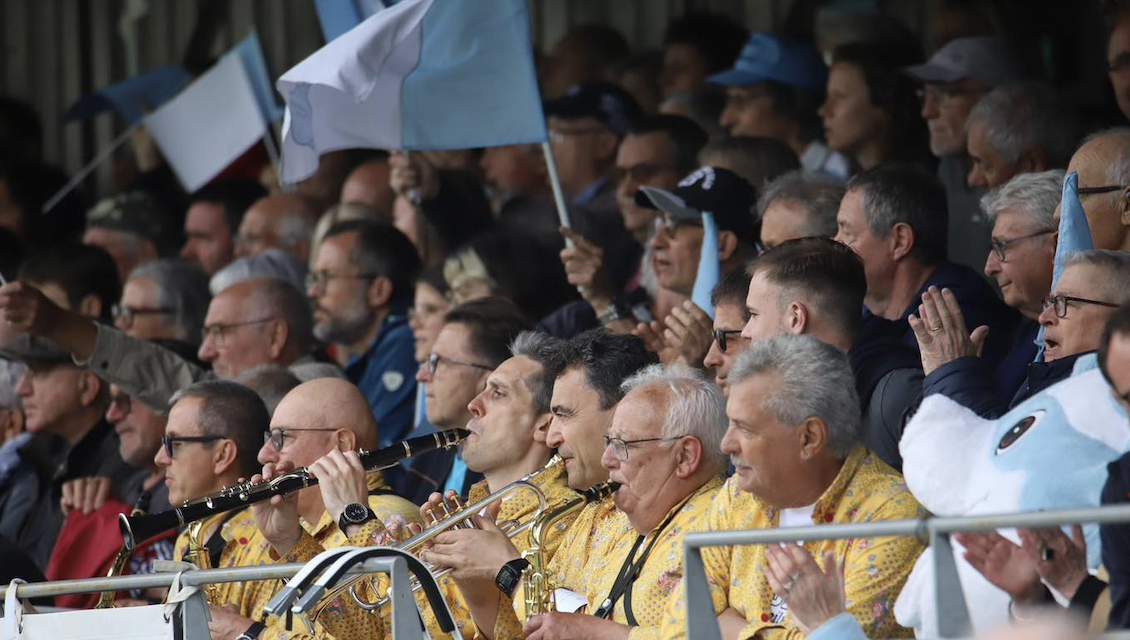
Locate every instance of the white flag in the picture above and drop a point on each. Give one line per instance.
(209, 124)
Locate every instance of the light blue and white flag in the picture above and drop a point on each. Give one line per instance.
(1074, 236)
(422, 74)
(250, 52)
(709, 271)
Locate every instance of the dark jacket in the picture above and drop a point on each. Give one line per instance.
(968, 382)
(888, 379)
(1116, 543)
(30, 514)
(428, 473)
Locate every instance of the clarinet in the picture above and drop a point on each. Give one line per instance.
(139, 528)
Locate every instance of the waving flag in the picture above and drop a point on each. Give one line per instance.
(133, 96)
(422, 74)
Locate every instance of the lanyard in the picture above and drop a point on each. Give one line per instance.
(630, 570)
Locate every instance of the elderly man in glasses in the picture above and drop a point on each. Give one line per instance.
(1093, 284)
(1104, 186)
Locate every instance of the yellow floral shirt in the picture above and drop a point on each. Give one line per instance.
(247, 547)
(597, 545)
(875, 569)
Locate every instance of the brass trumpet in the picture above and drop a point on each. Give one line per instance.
(139, 528)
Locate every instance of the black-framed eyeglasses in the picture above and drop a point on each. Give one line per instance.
(1086, 191)
(620, 445)
(217, 332)
(169, 441)
(434, 359)
(722, 336)
(999, 246)
(317, 280)
(126, 314)
(277, 437)
(1060, 303)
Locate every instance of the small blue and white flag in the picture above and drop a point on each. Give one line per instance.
(420, 75)
(709, 271)
(132, 97)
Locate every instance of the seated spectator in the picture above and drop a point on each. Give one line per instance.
(164, 299)
(795, 205)
(271, 263)
(639, 76)
(757, 159)
(213, 218)
(815, 286)
(1114, 360)
(953, 80)
(283, 222)
(63, 405)
(1117, 18)
(1018, 128)
(794, 441)
(894, 218)
(360, 289)
(24, 190)
(696, 45)
(1092, 284)
(521, 193)
(132, 228)
(437, 209)
(1103, 165)
(704, 106)
(793, 79)
(80, 278)
(429, 306)
(730, 317)
(368, 184)
(586, 53)
(344, 212)
(871, 111)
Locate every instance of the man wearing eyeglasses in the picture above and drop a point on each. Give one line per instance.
(953, 80)
(360, 288)
(730, 316)
(475, 339)
(1104, 186)
(164, 299)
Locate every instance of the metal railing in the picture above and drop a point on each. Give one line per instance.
(952, 614)
(194, 611)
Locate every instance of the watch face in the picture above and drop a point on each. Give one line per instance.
(355, 512)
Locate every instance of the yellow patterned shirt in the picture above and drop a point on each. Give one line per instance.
(595, 549)
(875, 569)
(247, 547)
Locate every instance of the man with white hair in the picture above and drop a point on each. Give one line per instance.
(794, 440)
(1020, 260)
(1018, 128)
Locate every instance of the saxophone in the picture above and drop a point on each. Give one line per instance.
(536, 584)
(106, 599)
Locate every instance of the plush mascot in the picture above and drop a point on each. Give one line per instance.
(1049, 452)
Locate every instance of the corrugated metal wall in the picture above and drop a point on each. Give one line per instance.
(55, 51)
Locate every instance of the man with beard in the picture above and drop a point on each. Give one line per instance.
(360, 288)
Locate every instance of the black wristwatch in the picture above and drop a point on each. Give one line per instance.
(509, 575)
(252, 632)
(355, 513)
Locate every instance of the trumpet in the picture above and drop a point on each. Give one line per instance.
(463, 518)
(137, 528)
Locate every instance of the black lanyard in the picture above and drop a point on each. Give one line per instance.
(630, 570)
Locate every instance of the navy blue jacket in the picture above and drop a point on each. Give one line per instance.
(1116, 543)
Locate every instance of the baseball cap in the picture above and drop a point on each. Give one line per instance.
(730, 197)
(133, 212)
(981, 58)
(609, 104)
(770, 57)
(34, 350)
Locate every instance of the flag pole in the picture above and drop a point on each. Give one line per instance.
(90, 166)
(558, 193)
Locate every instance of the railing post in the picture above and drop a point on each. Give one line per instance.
(406, 621)
(702, 623)
(952, 614)
(194, 617)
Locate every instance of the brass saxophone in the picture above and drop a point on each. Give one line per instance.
(536, 584)
(106, 599)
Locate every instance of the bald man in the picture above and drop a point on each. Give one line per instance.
(285, 221)
(320, 425)
(368, 184)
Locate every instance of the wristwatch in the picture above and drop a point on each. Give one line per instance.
(252, 632)
(509, 575)
(355, 513)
